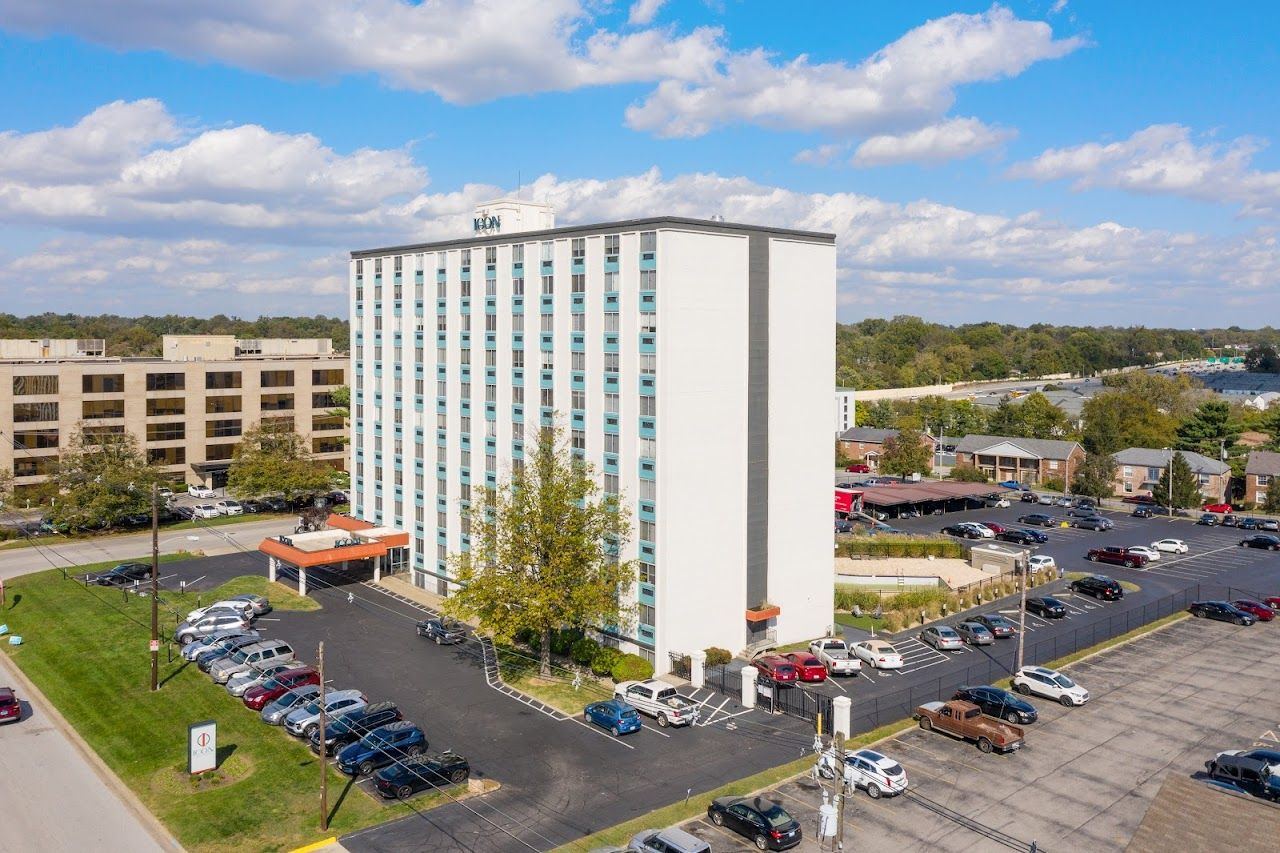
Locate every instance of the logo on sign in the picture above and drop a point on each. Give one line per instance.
(202, 746)
(486, 222)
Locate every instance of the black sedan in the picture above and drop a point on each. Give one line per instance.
(767, 824)
(1047, 606)
(964, 531)
(122, 575)
(445, 632)
(1040, 519)
(407, 776)
(1022, 537)
(1029, 497)
(1261, 540)
(998, 703)
(996, 624)
(1222, 611)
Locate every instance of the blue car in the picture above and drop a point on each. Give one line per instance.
(615, 715)
(1012, 484)
(380, 747)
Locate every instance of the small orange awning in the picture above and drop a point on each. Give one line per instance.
(764, 614)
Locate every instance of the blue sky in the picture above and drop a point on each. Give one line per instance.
(1031, 161)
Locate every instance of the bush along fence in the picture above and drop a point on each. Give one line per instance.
(903, 609)
(883, 546)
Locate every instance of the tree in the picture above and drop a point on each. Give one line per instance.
(342, 409)
(1186, 485)
(544, 551)
(272, 458)
(1262, 359)
(909, 452)
(1096, 476)
(100, 478)
(6, 487)
(1272, 502)
(1209, 431)
(1033, 417)
(1114, 420)
(967, 474)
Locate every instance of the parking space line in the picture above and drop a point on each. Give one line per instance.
(593, 729)
(655, 731)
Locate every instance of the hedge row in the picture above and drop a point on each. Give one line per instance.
(880, 546)
(573, 643)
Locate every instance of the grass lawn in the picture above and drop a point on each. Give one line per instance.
(865, 622)
(86, 649)
(521, 673)
(1125, 585)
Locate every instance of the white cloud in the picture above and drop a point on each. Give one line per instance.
(821, 155)
(96, 146)
(907, 84)
(463, 50)
(1057, 7)
(935, 143)
(644, 11)
(1163, 160)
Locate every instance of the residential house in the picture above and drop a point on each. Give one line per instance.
(1263, 467)
(1139, 469)
(866, 444)
(1027, 460)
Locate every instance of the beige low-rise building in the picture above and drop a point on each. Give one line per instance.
(187, 409)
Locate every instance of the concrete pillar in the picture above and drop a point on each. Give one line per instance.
(302, 580)
(749, 674)
(698, 668)
(377, 568)
(840, 713)
(273, 565)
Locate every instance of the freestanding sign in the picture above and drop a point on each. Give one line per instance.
(202, 746)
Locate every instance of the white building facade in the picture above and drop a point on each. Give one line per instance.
(846, 409)
(689, 361)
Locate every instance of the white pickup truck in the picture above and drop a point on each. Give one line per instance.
(659, 700)
(835, 656)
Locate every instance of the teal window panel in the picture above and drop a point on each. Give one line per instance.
(359, 366)
(578, 267)
(442, 339)
(491, 376)
(399, 404)
(465, 373)
(646, 594)
(578, 304)
(377, 309)
(377, 370)
(417, 277)
(440, 275)
(578, 417)
(578, 342)
(547, 268)
(359, 309)
(517, 377)
(578, 381)
(441, 406)
(396, 310)
(377, 280)
(517, 270)
(611, 423)
(466, 408)
(648, 551)
(611, 463)
(517, 305)
(442, 538)
(440, 472)
(490, 411)
(464, 476)
(611, 301)
(648, 261)
(490, 340)
(490, 445)
(648, 302)
(491, 304)
(442, 373)
(517, 450)
(611, 342)
(648, 468)
(442, 438)
(464, 305)
(648, 386)
(548, 416)
(398, 370)
(491, 480)
(517, 414)
(418, 311)
(548, 303)
(611, 383)
(418, 403)
(611, 266)
(647, 511)
(418, 500)
(647, 428)
(517, 340)
(466, 275)
(546, 343)
(465, 440)
(464, 340)
(398, 279)
(546, 379)
(442, 504)
(646, 633)
(490, 272)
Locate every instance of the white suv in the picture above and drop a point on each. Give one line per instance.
(875, 773)
(1049, 683)
(1042, 562)
(229, 507)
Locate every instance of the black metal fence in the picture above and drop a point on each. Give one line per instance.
(797, 702)
(680, 665)
(872, 711)
(727, 681)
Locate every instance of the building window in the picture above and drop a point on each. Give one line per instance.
(647, 615)
(648, 324)
(105, 383)
(277, 379)
(578, 439)
(1053, 464)
(648, 279)
(167, 455)
(612, 242)
(24, 386)
(1153, 473)
(166, 406)
(36, 439)
(219, 452)
(328, 444)
(611, 321)
(648, 531)
(175, 431)
(578, 283)
(1128, 471)
(166, 381)
(548, 322)
(222, 428)
(222, 405)
(579, 399)
(648, 490)
(328, 376)
(37, 467)
(1264, 479)
(648, 448)
(648, 241)
(610, 442)
(218, 380)
(548, 284)
(324, 400)
(548, 251)
(95, 409)
(611, 484)
(548, 398)
(517, 322)
(277, 402)
(330, 423)
(611, 402)
(517, 395)
(648, 573)
(648, 363)
(94, 434)
(517, 286)
(578, 249)
(648, 407)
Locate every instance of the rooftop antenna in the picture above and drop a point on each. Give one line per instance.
(519, 184)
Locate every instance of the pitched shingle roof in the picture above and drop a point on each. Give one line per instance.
(1151, 457)
(870, 434)
(1263, 462)
(1044, 448)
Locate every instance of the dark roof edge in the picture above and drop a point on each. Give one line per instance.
(622, 225)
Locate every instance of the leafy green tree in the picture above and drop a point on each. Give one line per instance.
(967, 474)
(1262, 359)
(1096, 476)
(907, 453)
(100, 478)
(1210, 430)
(544, 551)
(1272, 503)
(1114, 420)
(1186, 485)
(342, 409)
(1032, 417)
(6, 487)
(878, 413)
(272, 458)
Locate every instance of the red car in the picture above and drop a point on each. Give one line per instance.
(1256, 608)
(1138, 499)
(10, 709)
(858, 468)
(1217, 507)
(273, 688)
(1273, 602)
(997, 529)
(776, 668)
(808, 667)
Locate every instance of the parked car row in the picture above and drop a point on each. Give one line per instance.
(1255, 772)
(1241, 611)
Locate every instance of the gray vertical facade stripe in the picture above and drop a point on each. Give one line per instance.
(757, 419)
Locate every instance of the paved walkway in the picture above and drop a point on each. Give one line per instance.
(54, 798)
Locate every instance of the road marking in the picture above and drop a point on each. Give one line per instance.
(655, 731)
(592, 728)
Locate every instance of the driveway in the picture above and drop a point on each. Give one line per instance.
(1165, 703)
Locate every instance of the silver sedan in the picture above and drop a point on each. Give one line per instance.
(975, 634)
(942, 637)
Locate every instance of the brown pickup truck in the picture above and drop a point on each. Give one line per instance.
(966, 720)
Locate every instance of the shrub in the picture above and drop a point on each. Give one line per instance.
(967, 474)
(915, 600)
(632, 668)
(526, 636)
(603, 660)
(717, 656)
(847, 597)
(893, 621)
(1054, 484)
(584, 650)
(562, 641)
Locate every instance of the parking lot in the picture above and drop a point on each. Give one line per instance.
(1164, 703)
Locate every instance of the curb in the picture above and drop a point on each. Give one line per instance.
(153, 825)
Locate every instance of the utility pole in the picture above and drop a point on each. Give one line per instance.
(324, 766)
(1022, 606)
(1169, 476)
(155, 586)
(839, 738)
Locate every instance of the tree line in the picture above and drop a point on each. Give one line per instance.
(140, 336)
(907, 351)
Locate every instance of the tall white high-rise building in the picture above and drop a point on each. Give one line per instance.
(690, 362)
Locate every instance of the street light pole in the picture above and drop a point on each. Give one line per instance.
(1022, 606)
(155, 586)
(1168, 475)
